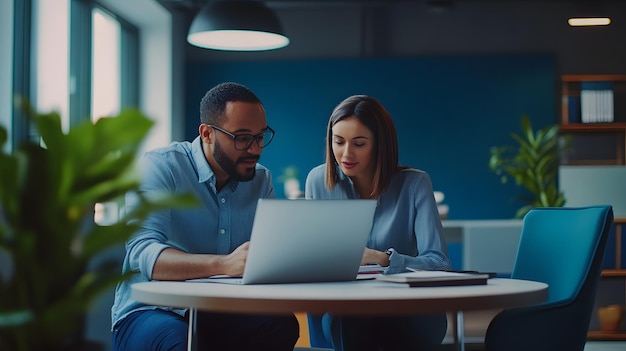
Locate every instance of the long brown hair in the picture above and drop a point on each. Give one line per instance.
(375, 117)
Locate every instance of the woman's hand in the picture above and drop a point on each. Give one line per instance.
(375, 257)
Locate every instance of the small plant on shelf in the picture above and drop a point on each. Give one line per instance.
(533, 163)
(291, 183)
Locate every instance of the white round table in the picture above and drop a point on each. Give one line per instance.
(363, 297)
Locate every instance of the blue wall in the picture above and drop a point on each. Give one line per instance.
(448, 110)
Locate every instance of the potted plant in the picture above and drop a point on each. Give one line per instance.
(47, 233)
(290, 181)
(533, 163)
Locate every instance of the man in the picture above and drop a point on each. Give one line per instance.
(220, 167)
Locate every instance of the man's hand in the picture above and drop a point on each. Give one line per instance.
(173, 264)
(235, 262)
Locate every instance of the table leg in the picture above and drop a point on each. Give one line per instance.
(459, 331)
(192, 341)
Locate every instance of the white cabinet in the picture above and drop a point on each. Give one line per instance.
(487, 245)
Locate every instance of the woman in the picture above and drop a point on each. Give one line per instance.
(362, 162)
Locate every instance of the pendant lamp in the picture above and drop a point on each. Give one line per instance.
(237, 26)
(589, 13)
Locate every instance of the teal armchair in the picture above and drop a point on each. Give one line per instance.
(563, 247)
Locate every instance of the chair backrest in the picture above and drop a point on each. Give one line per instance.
(558, 247)
(563, 247)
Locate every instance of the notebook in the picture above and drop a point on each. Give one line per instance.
(305, 241)
(436, 278)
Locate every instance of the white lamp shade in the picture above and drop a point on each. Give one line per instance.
(237, 26)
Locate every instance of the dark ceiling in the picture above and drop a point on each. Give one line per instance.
(436, 4)
(378, 28)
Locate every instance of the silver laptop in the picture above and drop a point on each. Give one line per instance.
(300, 241)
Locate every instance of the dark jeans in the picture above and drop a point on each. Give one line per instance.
(158, 330)
(419, 332)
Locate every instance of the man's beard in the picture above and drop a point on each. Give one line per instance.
(230, 166)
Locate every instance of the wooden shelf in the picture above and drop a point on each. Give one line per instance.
(593, 77)
(608, 147)
(602, 143)
(582, 162)
(593, 127)
(613, 273)
(603, 335)
(610, 135)
(617, 271)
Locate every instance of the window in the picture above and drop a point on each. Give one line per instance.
(7, 16)
(77, 65)
(77, 53)
(105, 84)
(50, 50)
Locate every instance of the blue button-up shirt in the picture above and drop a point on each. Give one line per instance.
(406, 218)
(221, 223)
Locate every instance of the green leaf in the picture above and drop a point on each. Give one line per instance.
(47, 196)
(15, 318)
(533, 163)
(4, 136)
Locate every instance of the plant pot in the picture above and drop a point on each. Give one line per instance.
(610, 317)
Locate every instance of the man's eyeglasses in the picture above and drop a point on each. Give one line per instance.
(244, 141)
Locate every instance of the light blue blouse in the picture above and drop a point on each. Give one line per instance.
(220, 224)
(406, 218)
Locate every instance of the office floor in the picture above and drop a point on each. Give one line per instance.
(476, 323)
(590, 346)
(475, 326)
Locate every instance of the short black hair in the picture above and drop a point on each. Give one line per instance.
(214, 101)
